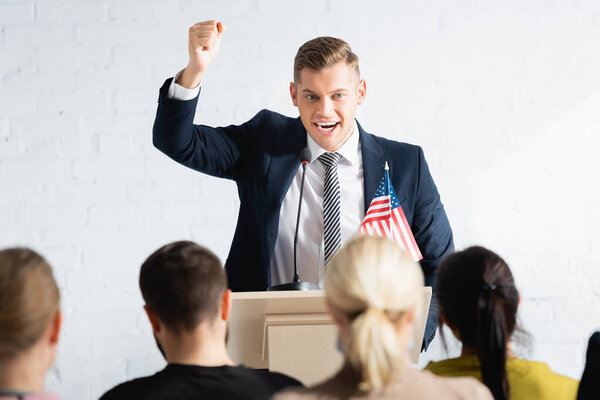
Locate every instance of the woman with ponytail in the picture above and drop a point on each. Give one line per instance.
(373, 292)
(30, 321)
(478, 301)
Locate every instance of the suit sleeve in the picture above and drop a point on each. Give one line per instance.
(214, 151)
(433, 235)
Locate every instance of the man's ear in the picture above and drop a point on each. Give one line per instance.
(294, 94)
(361, 91)
(153, 318)
(226, 305)
(55, 328)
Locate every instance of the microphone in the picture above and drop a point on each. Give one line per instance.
(296, 284)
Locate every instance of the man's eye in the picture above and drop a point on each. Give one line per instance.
(338, 96)
(311, 97)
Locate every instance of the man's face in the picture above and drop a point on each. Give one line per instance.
(327, 102)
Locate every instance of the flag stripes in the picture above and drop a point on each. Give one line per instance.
(385, 217)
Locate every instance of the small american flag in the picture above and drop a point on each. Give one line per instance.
(386, 218)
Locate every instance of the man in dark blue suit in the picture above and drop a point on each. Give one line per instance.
(262, 157)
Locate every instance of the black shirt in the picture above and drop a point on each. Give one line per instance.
(179, 381)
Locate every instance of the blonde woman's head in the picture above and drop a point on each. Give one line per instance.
(29, 302)
(373, 290)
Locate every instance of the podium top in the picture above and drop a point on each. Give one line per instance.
(285, 294)
(291, 294)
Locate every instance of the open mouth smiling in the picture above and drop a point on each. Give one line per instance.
(326, 126)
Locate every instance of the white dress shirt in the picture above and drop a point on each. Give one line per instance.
(311, 253)
(310, 235)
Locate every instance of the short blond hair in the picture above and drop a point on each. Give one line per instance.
(324, 52)
(371, 283)
(29, 300)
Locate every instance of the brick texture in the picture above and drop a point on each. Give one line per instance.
(503, 96)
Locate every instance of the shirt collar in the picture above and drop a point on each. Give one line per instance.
(348, 151)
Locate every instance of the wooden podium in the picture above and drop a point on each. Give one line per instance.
(291, 332)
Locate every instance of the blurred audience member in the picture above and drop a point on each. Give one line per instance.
(188, 304)
(30, 321)
(589, 387)
(478, 301)
(374, 291)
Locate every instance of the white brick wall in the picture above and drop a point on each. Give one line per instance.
(503, 96)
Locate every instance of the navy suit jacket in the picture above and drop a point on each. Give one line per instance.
(262, 157)
(589, 387)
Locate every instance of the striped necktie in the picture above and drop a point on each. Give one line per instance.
(331, 205)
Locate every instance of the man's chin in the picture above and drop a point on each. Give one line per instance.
(324, 141)
(327, 147)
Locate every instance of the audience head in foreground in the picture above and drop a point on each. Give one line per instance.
(589, 388)
(373, 291)
(30, 322)
(188, 304)
(478, 301)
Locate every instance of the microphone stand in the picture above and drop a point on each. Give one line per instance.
(296, 284)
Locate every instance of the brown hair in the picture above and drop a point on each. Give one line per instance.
(324, 52)
(29, 299)
(183, 283)
(478, 298)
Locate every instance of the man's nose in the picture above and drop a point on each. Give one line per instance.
(325, 107)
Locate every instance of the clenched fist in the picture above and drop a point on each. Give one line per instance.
(203, 45)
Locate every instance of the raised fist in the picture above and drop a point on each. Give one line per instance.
(203, 45)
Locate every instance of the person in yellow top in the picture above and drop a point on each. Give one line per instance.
(478, 301)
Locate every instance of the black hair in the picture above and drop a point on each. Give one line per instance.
(478, 300)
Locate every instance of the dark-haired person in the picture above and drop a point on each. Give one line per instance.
(262, 157)
(478, 301)
(188, 303)
(30, 321)
(589, 387)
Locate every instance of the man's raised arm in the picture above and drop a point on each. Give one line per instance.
(214, 151)
(203, 45)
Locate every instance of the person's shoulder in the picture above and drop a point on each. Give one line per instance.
(399, 154)
(130, 389)
(537, 377)
(328, 389)
(274, 118)
(294, 394)
(459, 366)
(538, 368)
(394, 145)
(594, 344)
(533, 369)
(267, 123)
(390, 144)
(275, 380)
(442, 367)
(451, 388)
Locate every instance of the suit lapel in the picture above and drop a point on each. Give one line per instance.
(287, 145)
(373, 164)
